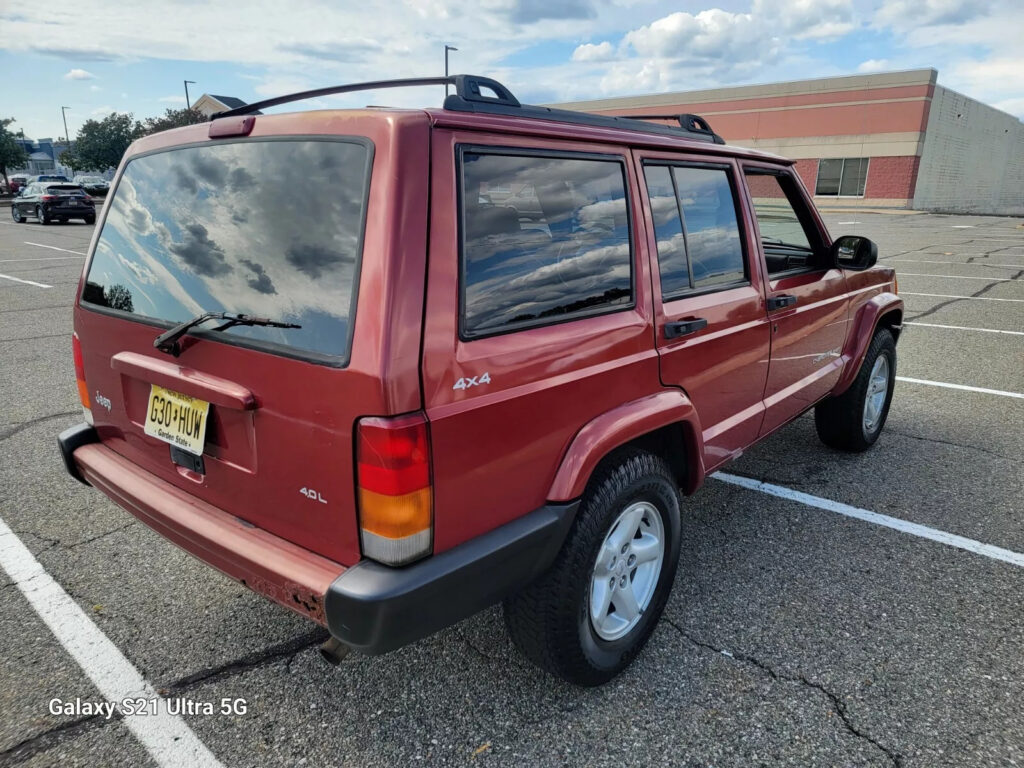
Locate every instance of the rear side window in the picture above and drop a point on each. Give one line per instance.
(555, 248)
(238, 227)
(696, 226)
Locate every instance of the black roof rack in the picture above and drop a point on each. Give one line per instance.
(471, 95)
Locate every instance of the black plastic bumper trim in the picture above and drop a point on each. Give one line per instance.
(375, 608)
(69, 441)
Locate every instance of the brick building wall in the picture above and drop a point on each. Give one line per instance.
(892, 178)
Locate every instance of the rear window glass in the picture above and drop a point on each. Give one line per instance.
(557, 246)
(239, 227)
(64, 188)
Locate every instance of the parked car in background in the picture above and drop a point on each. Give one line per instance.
(18, 180)
(515, 410)
(52, 177)
(94, 185)
(53, 201)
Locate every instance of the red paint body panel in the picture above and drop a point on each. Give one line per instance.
(287, 574)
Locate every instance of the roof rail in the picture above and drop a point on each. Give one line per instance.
(472, 94)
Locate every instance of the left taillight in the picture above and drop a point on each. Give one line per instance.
(83, 389)
(395, 494)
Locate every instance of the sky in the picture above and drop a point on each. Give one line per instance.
(132, 57)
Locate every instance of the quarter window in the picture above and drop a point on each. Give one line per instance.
(843, 177)
(699, 244)
(557, 247)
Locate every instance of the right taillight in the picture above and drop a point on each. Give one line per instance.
(83, 389)
(394, 488)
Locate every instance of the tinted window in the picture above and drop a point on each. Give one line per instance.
(712, 231)
(564, 251)
(789, 238)
(237, 227)
(844, 177)
(668, 229)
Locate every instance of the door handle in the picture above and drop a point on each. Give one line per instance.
(684, 327)
(778, 302)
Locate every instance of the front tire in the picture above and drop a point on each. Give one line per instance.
(854, 420)
(591, 613)
(16, 215)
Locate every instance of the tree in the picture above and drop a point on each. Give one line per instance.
(68, 158)
(102, 143)
(173, 118)
(12, 154)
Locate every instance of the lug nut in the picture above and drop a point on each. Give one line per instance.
(625, 547)
(612, 583)
(622, 582)
(632, 559)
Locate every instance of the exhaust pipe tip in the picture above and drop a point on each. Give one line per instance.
(333, 651)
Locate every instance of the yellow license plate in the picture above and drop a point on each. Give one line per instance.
(177, 419)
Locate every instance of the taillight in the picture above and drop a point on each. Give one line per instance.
(83, 389)
(47, 198)
(87, 198)
(395, 494)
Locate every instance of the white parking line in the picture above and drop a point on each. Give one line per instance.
(964, 387)
(914, 529)
(27, 282)
(54, 248)
(961, 263)
(966, 328)
(959, 277)
(41, 258)
(950, 296)
(963, 226)
(167, 738)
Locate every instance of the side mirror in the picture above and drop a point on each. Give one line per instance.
(854, 252)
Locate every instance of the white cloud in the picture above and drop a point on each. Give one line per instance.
(874, 65)
(806, 19)
(95, 88)
(103, 111)
(907, 14)
(79, 74)
(172, 99)
(591, 52)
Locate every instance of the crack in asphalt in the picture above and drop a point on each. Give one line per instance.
(28, 748)
(255, 660)
(12, 431)
(837, 703)
(984, 289)
(954, 444)
(35, 338)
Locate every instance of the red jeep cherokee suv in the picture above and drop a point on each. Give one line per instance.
(378, 395)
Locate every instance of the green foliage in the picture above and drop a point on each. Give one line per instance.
(102, 143)
(70, 159)
(172, 118)
(11, 153)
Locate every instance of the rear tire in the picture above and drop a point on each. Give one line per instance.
(90, 219)
(854, 420)
(41, 215)
(627, 532)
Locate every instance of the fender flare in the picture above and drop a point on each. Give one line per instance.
(619, 426)
(862, 330)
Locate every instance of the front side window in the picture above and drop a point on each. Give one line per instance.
(237, 227)
(789, 238)
(557, 247)
(695, 223)
(843, 177)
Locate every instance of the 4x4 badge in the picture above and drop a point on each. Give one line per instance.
(472, 381)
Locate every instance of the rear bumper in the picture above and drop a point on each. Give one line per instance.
(370, 607)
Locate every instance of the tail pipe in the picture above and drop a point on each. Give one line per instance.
(333, 651)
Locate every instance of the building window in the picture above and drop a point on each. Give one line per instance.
(842, 177)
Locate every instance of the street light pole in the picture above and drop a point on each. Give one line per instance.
(188, 104)
(446, 49)
(67, 137)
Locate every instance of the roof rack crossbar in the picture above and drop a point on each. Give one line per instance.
(471, 88)
(472, 94)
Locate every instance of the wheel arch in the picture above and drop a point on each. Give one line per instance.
(664, 423)
(882, 311)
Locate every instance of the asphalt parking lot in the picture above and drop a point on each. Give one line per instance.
(796, 634)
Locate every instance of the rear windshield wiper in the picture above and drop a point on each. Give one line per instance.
(168, 340)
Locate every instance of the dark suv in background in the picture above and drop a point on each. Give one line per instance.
(53, 201)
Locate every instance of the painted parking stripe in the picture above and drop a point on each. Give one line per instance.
(960, 277)
(961, 263)
(54, 248)
(950, 296)
(167, 738)
(40, 258)
(914, 529)
(947, 385)
(966, 328)
(27, 282)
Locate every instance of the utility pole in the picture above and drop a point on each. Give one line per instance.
(446, 49)
(67, 136)
(188, 104)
